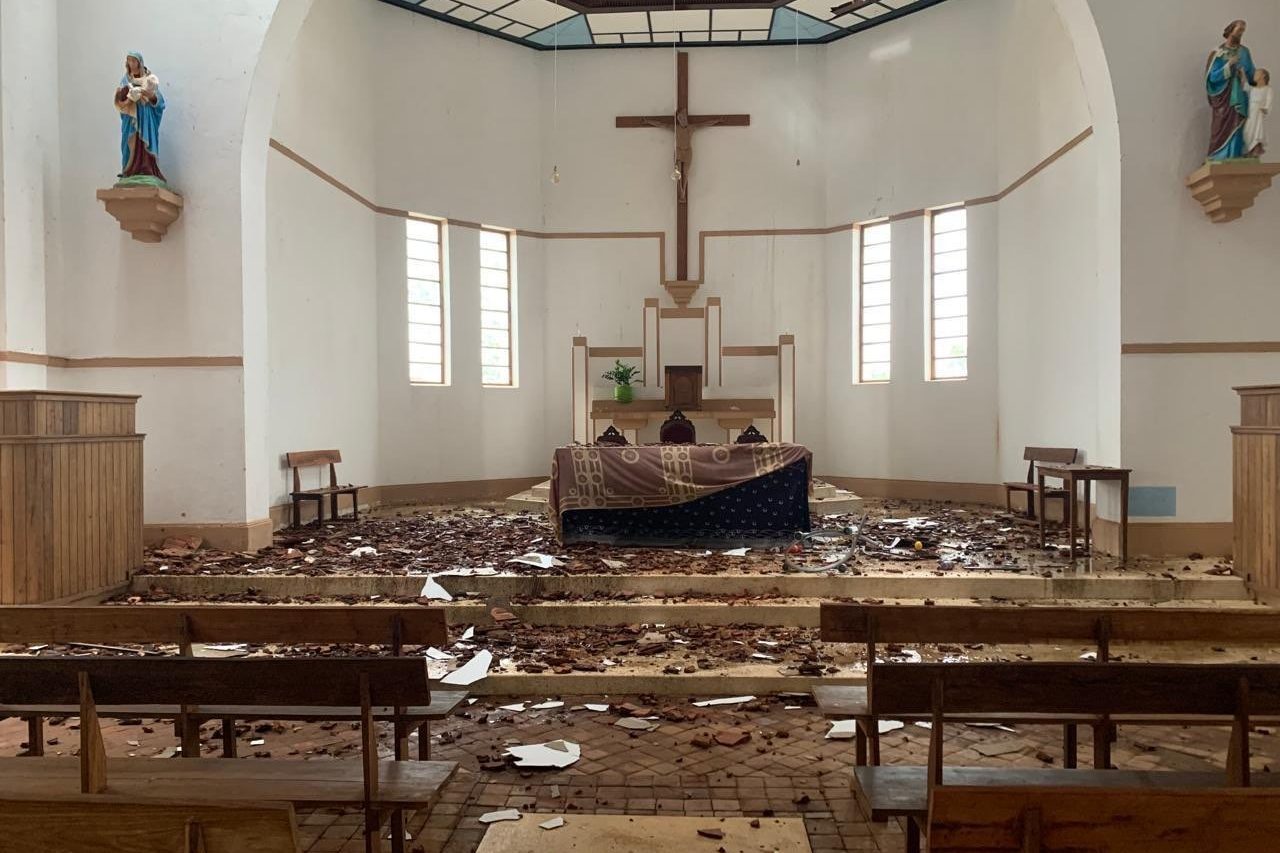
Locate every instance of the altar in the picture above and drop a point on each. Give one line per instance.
(690, 495)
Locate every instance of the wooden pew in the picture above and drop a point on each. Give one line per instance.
(870, 625)
(84, 823)
(1066, 820)
(378, 787)
(1160, 693)
(392, 628)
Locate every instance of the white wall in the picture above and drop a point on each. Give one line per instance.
(1050, 308)
(441, 121)
(910, 113)
(108, 295)
(480, 146)
(457, 135)
(1184, 277)
(322, 304)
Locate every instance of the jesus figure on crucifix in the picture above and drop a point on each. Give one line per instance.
(683, 125)
(684, 145)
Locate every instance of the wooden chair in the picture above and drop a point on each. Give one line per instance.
(310, 459)
(102, 823)
(677, 429)
(381, 788)
(751, 435)
(1032, 456)
(611, 436)
(1166, 694)
(872, 624)
(392, 628)
(963, 819)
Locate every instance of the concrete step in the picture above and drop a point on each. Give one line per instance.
(825, 500)
(839, 503)
(525, 501)
(1133, 586)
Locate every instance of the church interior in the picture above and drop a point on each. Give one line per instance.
(604, 425)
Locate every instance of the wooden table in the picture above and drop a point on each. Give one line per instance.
(1087, 474)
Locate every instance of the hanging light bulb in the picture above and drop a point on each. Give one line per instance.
(555, 174)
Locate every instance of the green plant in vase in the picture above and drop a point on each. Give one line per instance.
(621, 375)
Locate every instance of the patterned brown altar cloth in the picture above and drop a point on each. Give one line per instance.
(656, 475)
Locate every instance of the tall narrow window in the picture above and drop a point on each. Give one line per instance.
(426, 295)
(873, 304)
(949, 309)
(497, 365)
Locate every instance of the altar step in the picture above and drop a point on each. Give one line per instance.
(825, 500)
(767, 599)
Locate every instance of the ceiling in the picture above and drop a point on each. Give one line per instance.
(583, 24)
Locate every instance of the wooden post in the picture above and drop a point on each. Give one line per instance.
(1238, 751)
(35, 735)
(935, 738)
(1032, 822)
(188, 728)
(194, 842)
(369, 757)
(873, 727)
(93, 755)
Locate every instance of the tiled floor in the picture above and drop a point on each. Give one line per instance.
(787, 768)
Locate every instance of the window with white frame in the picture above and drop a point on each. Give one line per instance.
(497, 356)
(949, 295)
(428, 327)
(873, 317)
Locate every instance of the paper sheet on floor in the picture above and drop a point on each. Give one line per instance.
(471, 671)
(556, 753)
(541, 561)
(728, 700)
(843, 730)
(434, 591)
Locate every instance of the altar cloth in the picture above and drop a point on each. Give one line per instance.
(679, 493)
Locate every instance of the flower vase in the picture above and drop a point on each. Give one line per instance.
(622, 393)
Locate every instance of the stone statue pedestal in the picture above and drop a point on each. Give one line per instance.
(145, 212)
(1226, 188)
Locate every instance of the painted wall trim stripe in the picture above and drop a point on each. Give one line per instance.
(702, 235)
(1199, 347)
(122, 361)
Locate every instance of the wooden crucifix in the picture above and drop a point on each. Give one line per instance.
(684, 125)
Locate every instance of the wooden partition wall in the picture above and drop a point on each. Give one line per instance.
(70, 494)
(1256, 488)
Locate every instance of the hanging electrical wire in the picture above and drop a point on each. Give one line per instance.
(675, 114)
(555, 99)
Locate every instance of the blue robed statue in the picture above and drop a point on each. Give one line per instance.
(141, 106)
(1228, 74)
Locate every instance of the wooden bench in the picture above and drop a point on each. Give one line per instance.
(1058, 820)
(86, 823)
(1161, 693)
(380, 788)
(310, 459)
(1032, 456)
(870, 625)
(392, 628)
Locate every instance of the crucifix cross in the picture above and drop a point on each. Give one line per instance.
(684, 125)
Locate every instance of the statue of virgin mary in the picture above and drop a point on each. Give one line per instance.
(1226, 71)
(141, 106)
